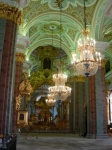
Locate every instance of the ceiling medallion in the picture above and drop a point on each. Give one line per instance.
(53, 26)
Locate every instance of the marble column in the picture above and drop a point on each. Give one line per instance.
(92, 107)
(72, 109)
(66, 114)
(71, 81)
(10, 18)
(21, 45)
(77, 105)
(97, 116)
(101, 101)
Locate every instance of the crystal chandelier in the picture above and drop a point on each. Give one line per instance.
(50, 101)
(89, 60)
(60, 91)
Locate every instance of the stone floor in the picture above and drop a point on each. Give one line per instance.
(61, 142)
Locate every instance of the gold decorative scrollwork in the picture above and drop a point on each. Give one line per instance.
(10, 13)
(47, 51)
(18, 102)
(20, 57)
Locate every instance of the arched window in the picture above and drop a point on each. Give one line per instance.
(47, 63)
(107, 66)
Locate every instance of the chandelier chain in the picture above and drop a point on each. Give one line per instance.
(84, 16)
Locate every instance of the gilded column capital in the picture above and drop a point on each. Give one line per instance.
(103, 62)
(20, 57)
(10, 13)
(80, 78)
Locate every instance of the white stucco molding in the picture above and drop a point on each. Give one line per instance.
(26, 66)
(23, 3)
(22, 43)
(101, 46)
(12, 3)
(16, 3)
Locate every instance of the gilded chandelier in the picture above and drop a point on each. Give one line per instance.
(89, 60)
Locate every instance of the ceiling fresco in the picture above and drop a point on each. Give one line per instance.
(41, 23)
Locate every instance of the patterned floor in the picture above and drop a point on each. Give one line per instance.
(61, 142)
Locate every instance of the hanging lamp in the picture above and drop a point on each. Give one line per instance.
(60, 91)
(89, 60)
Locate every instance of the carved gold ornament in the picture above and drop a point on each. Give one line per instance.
(10, 13)
(47, 51)
(25, 87)
(18, 102)
(80, 78)
(20, 57)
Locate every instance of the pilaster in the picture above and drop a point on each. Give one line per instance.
(97, 101)
(101, 105)
(6, 72)
(92, 106)
(21, 45)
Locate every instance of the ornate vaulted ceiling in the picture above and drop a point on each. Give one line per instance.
(42, 25)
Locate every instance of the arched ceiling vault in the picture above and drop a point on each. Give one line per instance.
(45, 42)
(102, 19)
(40, 16)
(40, 26)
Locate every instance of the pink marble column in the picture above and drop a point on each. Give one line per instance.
(77, 109)
(92, 105)
(5, 72)
(104, 101)
(16, 93)
(21, 45)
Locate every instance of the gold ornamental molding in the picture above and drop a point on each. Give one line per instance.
(80, 78)
(10, 13)
(20, 57)
(103, 62)
(18, 102)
